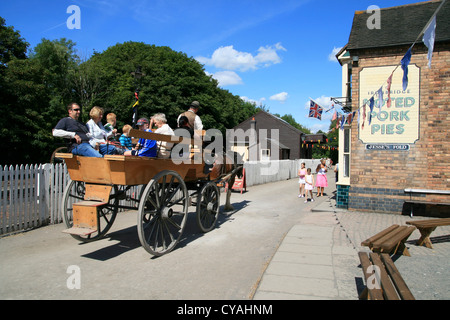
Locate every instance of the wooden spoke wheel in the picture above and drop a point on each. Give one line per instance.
(208, 203)
(162, 212)
(107, 213)
(54, 159)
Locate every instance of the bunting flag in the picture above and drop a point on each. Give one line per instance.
(428, 39)
(344, 117)
(135, 109)
(405, 62)
(350, 118)
(364, 116)
(334, 115)
(389, 82)
(380, 97)
(315, 111)
(372, 101)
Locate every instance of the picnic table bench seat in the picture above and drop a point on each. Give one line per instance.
(391, 240)
(426, 227)
(383, 280)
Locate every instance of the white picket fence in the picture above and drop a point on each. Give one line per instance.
(31, 195)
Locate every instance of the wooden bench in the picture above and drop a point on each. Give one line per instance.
(426, 227)
(391, 240)
(425, 191)
(383, 280)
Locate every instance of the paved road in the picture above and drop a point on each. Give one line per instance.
(226, 263)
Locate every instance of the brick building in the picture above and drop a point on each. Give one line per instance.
(408, 144)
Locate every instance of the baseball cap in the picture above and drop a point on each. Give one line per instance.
(142, 121)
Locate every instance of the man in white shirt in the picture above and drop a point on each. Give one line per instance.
(194, 120)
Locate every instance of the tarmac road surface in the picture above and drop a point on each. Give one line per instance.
(226, 263)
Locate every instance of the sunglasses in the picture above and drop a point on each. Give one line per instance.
(76, 110)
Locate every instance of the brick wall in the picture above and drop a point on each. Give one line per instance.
(378, 178)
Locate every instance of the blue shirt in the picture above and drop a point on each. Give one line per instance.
(148, 147)
(126, 142)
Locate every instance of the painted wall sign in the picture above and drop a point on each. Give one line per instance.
(398, 124)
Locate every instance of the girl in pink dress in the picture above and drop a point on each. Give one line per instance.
(301, 180)
(321, 181)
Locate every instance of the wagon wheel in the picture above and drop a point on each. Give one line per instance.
(208, 202)
(162, 213)
(54, 159)
(74, 192)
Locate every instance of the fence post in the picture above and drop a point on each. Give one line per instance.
(46, 182)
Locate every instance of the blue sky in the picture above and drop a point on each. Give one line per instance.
(275, 52)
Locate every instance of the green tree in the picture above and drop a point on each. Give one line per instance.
(12, 45)
(33, 92)
(172, 81)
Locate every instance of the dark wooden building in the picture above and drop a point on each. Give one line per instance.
(275, 139)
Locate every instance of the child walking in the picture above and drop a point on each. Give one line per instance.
(301, 180)
(309, 185)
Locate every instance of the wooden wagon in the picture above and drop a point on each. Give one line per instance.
(91, 199)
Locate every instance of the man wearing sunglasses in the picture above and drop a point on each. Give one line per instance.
(76, 132)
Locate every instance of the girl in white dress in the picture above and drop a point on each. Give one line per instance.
(309, 185)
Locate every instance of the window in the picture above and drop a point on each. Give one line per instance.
(265, 154)
(346, 166)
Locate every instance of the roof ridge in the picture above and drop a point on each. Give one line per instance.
(404, 5)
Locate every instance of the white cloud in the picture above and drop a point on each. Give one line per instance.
(268, 55)
(227, 78)
(228, 58)
(332, 55)
(256, 102)
(281, 97)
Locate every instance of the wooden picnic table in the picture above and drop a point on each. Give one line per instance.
(426, 227)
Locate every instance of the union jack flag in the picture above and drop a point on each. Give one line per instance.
(315, 111)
